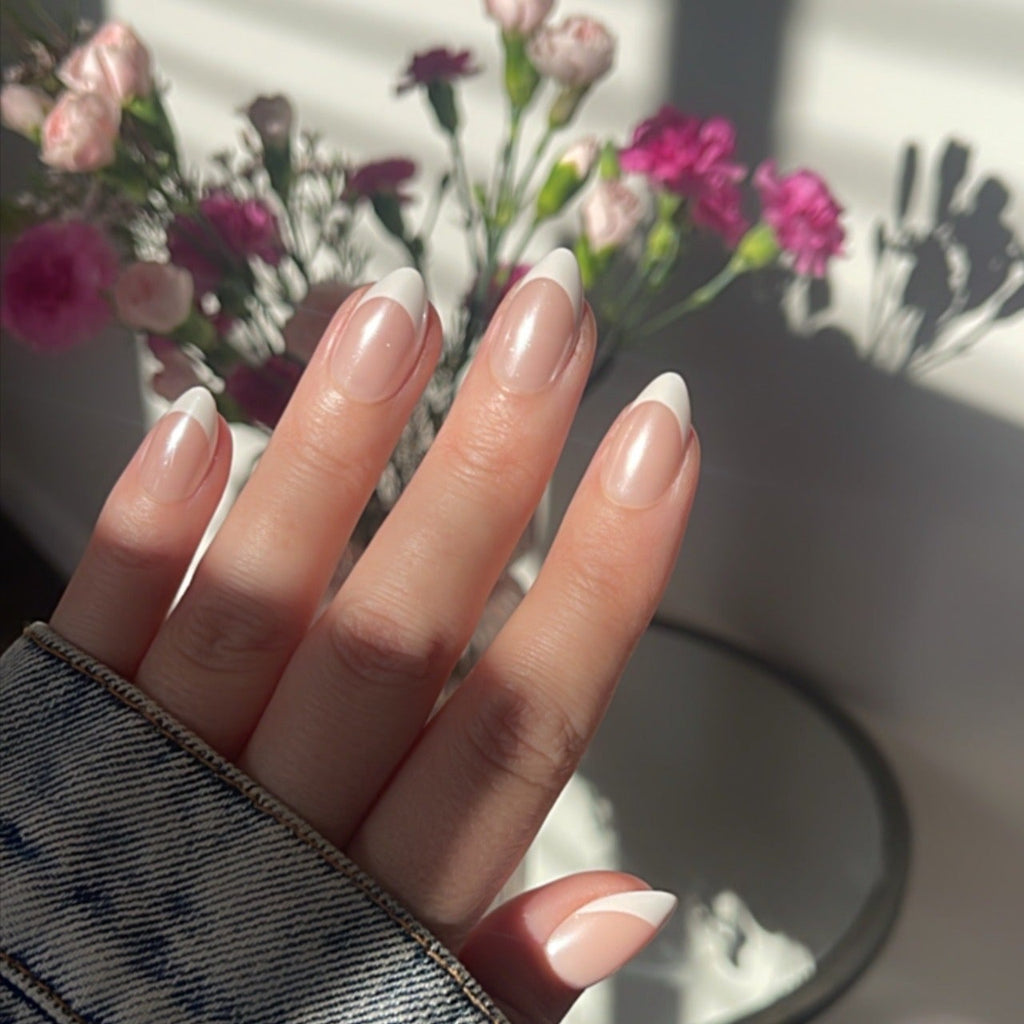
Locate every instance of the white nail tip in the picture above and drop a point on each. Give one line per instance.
(561, 267)
(404, 286)
(199, 404)
(650, 905)
(670, 390)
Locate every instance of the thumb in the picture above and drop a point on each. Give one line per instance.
(536, 953)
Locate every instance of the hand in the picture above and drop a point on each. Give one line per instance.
(329, 713)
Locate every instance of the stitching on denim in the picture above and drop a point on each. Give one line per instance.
(256, 795)
(34, 983)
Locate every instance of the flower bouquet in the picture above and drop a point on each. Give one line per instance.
(231, 274)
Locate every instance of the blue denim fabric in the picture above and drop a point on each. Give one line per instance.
(147, 880)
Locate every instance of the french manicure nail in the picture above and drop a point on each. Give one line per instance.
(382, 340)
(539, 327)
(180, 449)
(598, 938)
(650, 442)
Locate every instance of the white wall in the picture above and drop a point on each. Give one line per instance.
(866, 529)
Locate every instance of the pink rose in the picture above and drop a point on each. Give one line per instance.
(153, 296)
(305, 328)
(23, 109)
(804, 216)
(80, 133)
(177, 373)
(521, 16)
(263, 391)
(114, 62)
(575, 53)
(54, 284)
(610, 213)
(692, 158)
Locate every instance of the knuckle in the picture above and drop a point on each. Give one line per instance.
(132, 544)
(525, 737)
(376, 649)
(489, 455)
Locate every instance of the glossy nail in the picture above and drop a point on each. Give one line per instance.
(539, 326)
(598, 938)
(382, 340)
(649, 444)
(180, 448)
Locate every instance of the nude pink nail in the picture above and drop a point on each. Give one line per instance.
(381, 343)
(598, 938)
(539, 326)
(649, 444)
(180, 448)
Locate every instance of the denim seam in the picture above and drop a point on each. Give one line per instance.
(47, 639)
(24, 975)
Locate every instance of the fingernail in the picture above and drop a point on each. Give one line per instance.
(650, 442)
(180, 449)
(596, 940)
(382, 340)
(539, 327)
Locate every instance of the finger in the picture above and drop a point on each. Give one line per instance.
(224, 647)
(535, 954)
(361, 686)
(147, 534)
(467, 801)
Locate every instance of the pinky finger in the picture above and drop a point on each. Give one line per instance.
(147, 534)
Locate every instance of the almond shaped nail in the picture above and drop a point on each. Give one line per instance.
(382, 340)
(649, 444)
(180, 449)
(603, 935)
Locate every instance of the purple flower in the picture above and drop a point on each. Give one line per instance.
(55, 284)
(437, 65)
(803, 214)
(263, 391)
(692, 158)
(381, 177)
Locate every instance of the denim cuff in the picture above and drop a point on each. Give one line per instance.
(145, 878)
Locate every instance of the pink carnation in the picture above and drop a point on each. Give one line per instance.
(114, 62)
(263, 391)
(55, 283)
(692, 158)
(379, 177)
(228, 232)
(177, 373)
(804, 216)
(80, 133)
(437, 65)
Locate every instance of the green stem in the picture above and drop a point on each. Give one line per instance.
(531, 167)
(697, 299)
(474, 217)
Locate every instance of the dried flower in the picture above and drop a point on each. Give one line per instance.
(272, 118)
(692, 158)
(437, 65)
(54, 284)
(263, 391)
(380, 177)
(153, 296)
(611, 212)
(521, 16)
(114, 62)
(23, 109)
(575, 53)
(803, 214)
(80, 133)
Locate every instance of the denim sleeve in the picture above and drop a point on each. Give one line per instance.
(146, 880)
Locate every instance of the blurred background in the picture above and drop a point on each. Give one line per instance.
(861, 516)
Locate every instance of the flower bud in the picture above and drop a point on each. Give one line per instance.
(758, 248)
(23, 109)
(272, 117)
(567, 177)
(611, 213)
(153, 296)
(80, 133)
(520, 16)
(575, 53)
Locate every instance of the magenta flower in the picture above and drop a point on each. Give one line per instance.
(263, 391)
(692, 158)
(227, 233)
(381, 177)
(804, 216)
(55, 285)
(437, 65)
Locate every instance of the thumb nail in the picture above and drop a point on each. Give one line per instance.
(598, 938)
